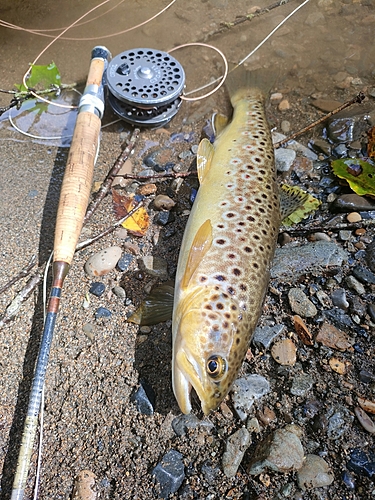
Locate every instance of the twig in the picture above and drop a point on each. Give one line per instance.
(166, 175)
(357, 99)
(22, 95)
(225, 26)
(22, 274)
(110, 230)
(106, 185)
(327, 227)
(23, 295)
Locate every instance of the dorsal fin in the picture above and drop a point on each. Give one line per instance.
(204, 157)
(219, 122)
(201, 244)
(291, 198)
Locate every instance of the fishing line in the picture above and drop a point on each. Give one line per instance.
(183, 97)
(254, 50)
(110, 35)
(43, 32)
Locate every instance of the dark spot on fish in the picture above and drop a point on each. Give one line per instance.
(224, 203)
(264, 196)
(225, 325)
(258, 200)
(243, 287)
(220, 226)
(227, 315)
(231, 256)
(203, 278)
(219, 305)
(231, 291)
(257, 159)
(256, 237)
(209, 307)
(236, 271)
(261, 210)
(250, 167)
(230, 214)
(241, 223)
(250, 218)
(220, 242)
(264, 232)
(220, 277)
(212, 316)
(255, 265)
(248, 249)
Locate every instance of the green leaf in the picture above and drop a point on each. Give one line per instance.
(41, 77)
(310, 204)
(360, 174)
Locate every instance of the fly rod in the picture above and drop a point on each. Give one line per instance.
(74, 197)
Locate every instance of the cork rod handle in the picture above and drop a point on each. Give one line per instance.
(77, 182)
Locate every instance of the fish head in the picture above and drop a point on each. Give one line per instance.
(208, 348)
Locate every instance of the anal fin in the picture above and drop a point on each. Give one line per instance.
(156, 307)
(201, 244)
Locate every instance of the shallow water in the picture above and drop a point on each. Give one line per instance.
(322, 45)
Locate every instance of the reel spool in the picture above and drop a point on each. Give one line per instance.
(145, 86)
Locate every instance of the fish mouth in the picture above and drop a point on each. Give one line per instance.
(187, 374)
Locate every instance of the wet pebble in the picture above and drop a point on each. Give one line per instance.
(147, 189)
(370, 256)
(367, 405)
(102, 312)
(285, 126)
(361, 464)
(119, 292)
(338, 366)
(182, 423)
(352, 203)
(355, 285)
(365, 420)
(163, 202)
(284, 352)
(169, 473)
(300, 304)
(209, 472)
(315, 473)
(154, 266)
(339, 318)
(284, 159)
(348, 480)
(157, 159)
(264, 336)
(326, 105)
(339, 421)
(281, 451)
(364, 275)
(366, 376)
(339, 298)
(125, 261)
(301, 384)
(84, 486)
(88, 330)
(332, 337)
(97, 289)
(144, 398)
(292, 262)
(320, 146)
(163, 218)
(353, 217)
(246, 390)
(103, 262)
(284, 105)
(235, 448)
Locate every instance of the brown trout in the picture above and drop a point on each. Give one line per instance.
(228, 245)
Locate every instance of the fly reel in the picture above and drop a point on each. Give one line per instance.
(145, 86)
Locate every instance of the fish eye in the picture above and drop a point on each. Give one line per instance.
(216, 366)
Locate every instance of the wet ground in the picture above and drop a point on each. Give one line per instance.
(325, 52)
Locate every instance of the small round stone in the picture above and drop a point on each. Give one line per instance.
(354, 217)
(97, 289)
(103, 262)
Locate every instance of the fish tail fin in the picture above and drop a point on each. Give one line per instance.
(243, 83)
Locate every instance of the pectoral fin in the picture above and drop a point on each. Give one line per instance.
(291, 198)
(201, 244)
(204, 157)
(156, 307)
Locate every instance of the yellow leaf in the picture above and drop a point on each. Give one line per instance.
(137, 223)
